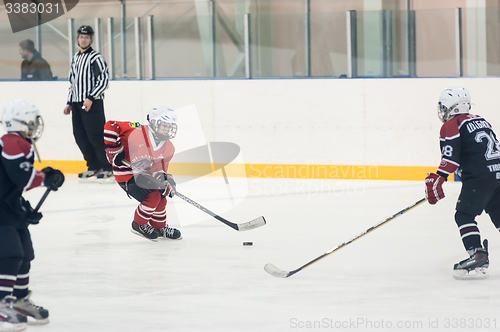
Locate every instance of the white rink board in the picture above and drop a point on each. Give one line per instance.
(304, 121)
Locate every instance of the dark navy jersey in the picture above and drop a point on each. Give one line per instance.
(17, 175)
(469, 144)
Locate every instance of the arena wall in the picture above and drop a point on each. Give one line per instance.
(290, 128)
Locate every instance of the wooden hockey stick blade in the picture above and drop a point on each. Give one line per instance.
(274, 271)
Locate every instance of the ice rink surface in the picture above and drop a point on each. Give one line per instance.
(93, 274)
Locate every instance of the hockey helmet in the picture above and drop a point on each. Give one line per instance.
(453, 101)
(20, 115)
(85, 30)
(163, 122)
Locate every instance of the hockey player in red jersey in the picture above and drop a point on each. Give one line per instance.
(24, 125)
(148, 148)
(470, 147)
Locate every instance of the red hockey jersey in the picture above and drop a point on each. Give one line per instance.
(140, 149)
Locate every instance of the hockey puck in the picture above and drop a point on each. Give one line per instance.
(248, 243)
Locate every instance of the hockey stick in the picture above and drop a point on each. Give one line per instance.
(39, 205)
(273, 270)
(257, 222)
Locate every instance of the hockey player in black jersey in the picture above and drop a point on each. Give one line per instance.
(23, 124)
(470, 147)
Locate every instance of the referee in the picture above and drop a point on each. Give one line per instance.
(88, 75)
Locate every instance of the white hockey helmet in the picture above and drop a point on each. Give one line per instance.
(20, 115)
(453, 101)
(163, 122)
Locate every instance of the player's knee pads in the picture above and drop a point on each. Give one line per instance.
(462, 218)
(9, 266)
(24, 268)
(25, 236)
(10, 243)
(153, 199)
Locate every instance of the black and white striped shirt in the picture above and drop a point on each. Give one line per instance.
(88, 75)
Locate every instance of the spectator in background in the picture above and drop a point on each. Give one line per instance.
(33, 67)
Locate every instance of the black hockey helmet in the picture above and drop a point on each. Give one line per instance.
(85, 30)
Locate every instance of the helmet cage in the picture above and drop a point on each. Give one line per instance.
(34, 129)
(443, 112)
(162, 122)
(163, 130)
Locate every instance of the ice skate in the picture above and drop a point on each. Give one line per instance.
(169, 233)
(10, 319)
(145, 231)
(88, 176)
(104, 177)
(474, 267)
(36, 315)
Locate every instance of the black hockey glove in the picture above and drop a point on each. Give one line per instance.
(119, 158)
(31, 216)
(115, 153)
(169, 183)
(54, 178)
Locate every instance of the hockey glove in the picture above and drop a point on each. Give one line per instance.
(169, 182)
(115, 154)
(31, 216)
(434, 187)
(172, 185)
(54, 178)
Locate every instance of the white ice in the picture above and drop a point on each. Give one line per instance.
(93, 274)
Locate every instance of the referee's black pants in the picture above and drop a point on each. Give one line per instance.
(88, 128)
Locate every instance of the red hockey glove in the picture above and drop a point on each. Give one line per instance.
(434, 187)
(115, 154)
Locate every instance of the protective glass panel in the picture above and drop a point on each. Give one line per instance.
(328, 44)
(10, 59)
(435, 43)
(230, 45)
(182, 46)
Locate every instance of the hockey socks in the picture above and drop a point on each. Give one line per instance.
(468, 230)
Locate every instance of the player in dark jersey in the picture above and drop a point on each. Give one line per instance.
(24, 125)
(470, 147)
(148, 148)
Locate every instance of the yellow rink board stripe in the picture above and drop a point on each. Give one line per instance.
(275, 171)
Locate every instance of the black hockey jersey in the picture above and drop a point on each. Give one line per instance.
(469, 144)
(17, 175)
